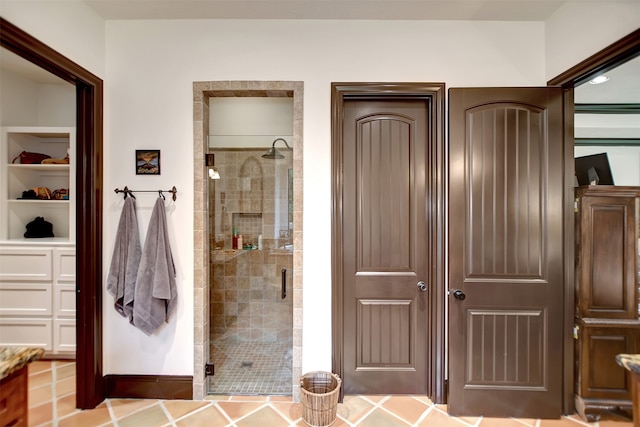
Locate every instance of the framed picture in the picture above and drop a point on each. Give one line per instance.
(147, 162)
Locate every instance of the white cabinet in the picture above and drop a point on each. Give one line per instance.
(37, 275)
(17, 178)
(64, 300)
(37, 297)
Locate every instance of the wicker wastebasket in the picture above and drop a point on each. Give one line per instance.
(319, 393)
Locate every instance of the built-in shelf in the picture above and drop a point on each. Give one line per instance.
(37, 275)
(16, 212)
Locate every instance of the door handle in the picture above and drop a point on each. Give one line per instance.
(284, 283)
(459, 295)
(422, 286)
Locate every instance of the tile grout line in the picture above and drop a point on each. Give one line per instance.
(112, 415)
(393, 414)
(289, 420)
(54, 391)
(375, 406)
(457, 419)
(172, 422)
(264, 404)
(425, 414)
(224, 414)
(152, 403)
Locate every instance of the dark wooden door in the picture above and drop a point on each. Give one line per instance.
(385, 243)
(506, 184)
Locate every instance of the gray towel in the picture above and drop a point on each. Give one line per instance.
(123, 271)
(156, 296)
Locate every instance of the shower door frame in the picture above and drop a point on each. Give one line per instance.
(202, 91)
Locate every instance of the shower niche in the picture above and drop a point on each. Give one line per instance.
(250, 213)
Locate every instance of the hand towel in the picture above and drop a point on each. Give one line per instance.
(123, 271)
(155, 292)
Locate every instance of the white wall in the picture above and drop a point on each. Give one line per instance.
(151, 66)
(249, 121)
(68, 26)
(19, 100)
(581, 28)
(28, 103)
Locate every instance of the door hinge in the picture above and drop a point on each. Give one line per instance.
(576, 332)
(209, 369)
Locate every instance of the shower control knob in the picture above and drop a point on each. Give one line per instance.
(422, 286)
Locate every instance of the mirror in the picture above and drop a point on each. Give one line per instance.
(607, 120)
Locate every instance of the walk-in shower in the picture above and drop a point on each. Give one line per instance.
(250, 211)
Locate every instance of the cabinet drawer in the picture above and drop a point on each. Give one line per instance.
(64, 265)
(25, 299)
(25, 264)
(26, 333)
(64, 335)
(64, 300)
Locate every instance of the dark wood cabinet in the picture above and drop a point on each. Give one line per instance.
(607, 307)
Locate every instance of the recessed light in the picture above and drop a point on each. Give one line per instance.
(599, 79)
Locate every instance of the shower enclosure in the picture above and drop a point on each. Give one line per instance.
(250, 194)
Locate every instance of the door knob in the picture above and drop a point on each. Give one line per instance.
(422, 286)
(459, 295)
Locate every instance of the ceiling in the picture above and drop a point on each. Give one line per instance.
(494, 10)
(623, 86)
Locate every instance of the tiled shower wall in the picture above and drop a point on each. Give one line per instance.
(245, 295)
(246, 302)
(252, 195)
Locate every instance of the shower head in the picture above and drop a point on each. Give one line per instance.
(272, 153)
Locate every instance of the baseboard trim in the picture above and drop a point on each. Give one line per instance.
(149, 386)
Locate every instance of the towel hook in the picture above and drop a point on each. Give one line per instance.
(127, 192)
(161, 194)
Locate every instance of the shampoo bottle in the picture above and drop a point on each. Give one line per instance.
(235, 238)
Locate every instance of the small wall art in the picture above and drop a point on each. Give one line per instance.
(147, 162)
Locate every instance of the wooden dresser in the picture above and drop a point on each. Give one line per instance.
(14, 384)
(606, 322)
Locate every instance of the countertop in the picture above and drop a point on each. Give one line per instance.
(630, 362)
(13, 359)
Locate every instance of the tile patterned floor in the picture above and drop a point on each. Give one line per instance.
(52, 401)
(252, 368)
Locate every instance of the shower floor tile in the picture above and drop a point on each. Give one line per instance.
(251, 368)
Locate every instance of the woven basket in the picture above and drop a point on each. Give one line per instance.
(319, 393)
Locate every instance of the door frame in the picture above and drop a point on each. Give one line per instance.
(434, 94)
(604, 60)
(89, 131)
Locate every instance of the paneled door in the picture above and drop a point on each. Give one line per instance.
(385, 246)
(506, 185)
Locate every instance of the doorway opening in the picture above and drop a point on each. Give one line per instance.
(250, 205)
(89, 129)
(219, 265)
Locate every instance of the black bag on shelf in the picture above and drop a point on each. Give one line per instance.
(39, 228)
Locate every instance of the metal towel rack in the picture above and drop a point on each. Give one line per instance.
(128, 192)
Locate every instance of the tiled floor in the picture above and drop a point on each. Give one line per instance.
(52, 401)
(252, 367)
